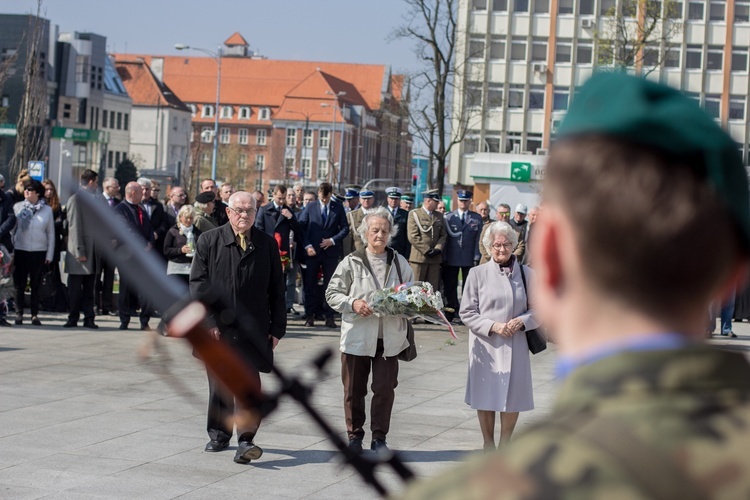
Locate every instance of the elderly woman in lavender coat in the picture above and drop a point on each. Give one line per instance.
(499, 367)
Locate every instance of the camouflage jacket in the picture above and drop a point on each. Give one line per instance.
(653, 424)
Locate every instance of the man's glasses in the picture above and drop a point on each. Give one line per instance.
(503, 213)
(241, 212)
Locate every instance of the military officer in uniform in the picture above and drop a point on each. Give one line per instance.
(426, 232)
(353, 242)
(407, 201)
(351, 199)
(461, 248)
(400, 242)
(646, 409)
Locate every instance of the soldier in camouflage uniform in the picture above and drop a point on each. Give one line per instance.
(646, 409)
(426, 232)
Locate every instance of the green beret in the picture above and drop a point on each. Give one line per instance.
(652, 114)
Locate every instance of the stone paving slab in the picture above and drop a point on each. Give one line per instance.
(82, 415)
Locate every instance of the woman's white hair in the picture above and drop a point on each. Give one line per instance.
(186, 210)
(382, 213)
(499, 228)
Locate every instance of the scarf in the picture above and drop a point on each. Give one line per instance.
(27, 212)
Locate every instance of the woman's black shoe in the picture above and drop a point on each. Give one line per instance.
(35, 321)
(4, 322)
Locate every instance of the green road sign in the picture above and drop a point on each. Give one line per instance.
(520, 171)
(8, 129)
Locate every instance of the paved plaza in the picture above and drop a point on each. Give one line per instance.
(83, 415)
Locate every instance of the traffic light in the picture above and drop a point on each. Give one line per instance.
(414, 181)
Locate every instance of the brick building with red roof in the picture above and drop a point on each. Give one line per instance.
(283, 122)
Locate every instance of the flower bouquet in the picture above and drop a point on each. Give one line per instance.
(415, 299)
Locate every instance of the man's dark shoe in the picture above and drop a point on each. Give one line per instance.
(730, 334)
(112, 313)
(145, 327)
(330, 323)
(320, 317)
(4, 322)
(292, 312)
(123, 326)
(247, 451)
(310, 321)
(70, 324)
(216, 445)
(379, 446)
(35, 321)
(90, 324)
(356, 445)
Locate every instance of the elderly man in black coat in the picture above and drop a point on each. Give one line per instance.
(244, 263)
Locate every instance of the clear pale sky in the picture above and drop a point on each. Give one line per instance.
(314, 30)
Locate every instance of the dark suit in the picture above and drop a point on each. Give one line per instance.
(142, 231)
(314, 230)
(254, 279)
(105, 276)
(272, 222)
(159, 224)
(460, 253)
(220, 212)
(400, 242)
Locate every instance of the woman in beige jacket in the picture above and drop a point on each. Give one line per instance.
(369, 343)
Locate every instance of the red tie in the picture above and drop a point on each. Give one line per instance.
(140, 215)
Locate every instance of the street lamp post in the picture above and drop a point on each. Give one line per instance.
(217, 57)
(333, 135)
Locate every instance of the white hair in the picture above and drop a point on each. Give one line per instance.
(242, 194)
(144, 182)
(382, 213)
(499, 228)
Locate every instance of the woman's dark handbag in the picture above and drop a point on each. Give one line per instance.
(410, 352)
(47, 283)
(537, 338)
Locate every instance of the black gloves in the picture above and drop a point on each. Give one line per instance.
(432, 252)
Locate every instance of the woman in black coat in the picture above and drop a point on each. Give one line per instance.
(179, 244)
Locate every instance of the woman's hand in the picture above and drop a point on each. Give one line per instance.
(500, 329)
(361, 308)
(515, 325)
(185, 249)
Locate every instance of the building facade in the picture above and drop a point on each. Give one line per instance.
(283, 122)
(525, 59)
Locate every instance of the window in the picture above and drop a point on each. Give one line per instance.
(739, 59)
(324, 139)
(104, 117)
(244, 113)
(495, 95)
(712, 105)
(206, 134)
(242, 161)
(291, 137)
(584, 53)
(560, 99)
(653, 9)
(565, 7)
(742, 12)
(322, 169)
(82, 69)
(192, 133)
(500, 5)
(513, 143)
(491, 145)
(536, 97)
(673, 10)
(541, 6)
(264, 114)
(474, 95)
(227, 111)
(716, 11)
(714, 57)
(478, 4)
(497, 49)
(174, 123)
(193, 109)
(289, 164)
(520, 5)
(538, 51)
(737, 107)
(307, 140)
(533, 142)
(672, 57)
(207, 111)
(204, 158)
(126, 119)
(306, 167)
(224, 135)
(476, 47)
(260, 137)
(242, 136)
(693, 57)
(119, 121)
(515, 96)
(650, 56)
(564, 50)
(607, 7)
(471, 145)
(586, 7)
(260, 163)
(518, 50)
(695, 11)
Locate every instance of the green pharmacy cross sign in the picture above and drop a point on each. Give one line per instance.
(520, 171)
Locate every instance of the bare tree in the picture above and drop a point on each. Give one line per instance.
(637, 35)
(7, 69)
(32, 134)
(433, 26)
